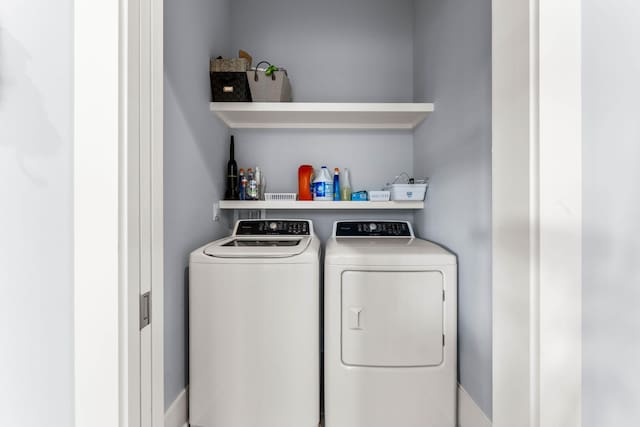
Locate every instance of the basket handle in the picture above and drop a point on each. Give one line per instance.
(255, 72)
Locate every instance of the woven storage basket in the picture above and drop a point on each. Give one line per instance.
(229, 80)
(227, 65)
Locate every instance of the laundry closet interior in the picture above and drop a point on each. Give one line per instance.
(410, 52)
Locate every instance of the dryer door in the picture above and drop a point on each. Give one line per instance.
(392, 318)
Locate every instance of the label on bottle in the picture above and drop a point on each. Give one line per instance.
(231, 192)
(252, 191)
(243, 188)
(319, 189)
(323, 190)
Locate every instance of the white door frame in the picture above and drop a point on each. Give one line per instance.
(98, 338)
(536, 210)
(118, 222)
(537, 213)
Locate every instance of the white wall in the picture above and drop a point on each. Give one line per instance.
(334, 51)
(196, 152)
(453, 147)
(36, 243)
(611, 212)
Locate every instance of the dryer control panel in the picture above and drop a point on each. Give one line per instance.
(373, 229)
(275, 227)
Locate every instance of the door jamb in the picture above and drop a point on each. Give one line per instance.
(537, 213)
(155, 104)
(109, 193)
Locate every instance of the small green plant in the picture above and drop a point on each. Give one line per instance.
(270, 69)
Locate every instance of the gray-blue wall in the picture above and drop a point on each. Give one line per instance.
(195, 156)
(334, 51)
(611, 213)
(340, 51)
(452, 68)
(36, 213)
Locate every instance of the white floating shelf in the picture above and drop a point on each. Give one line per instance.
(310, 205)
(311, 115)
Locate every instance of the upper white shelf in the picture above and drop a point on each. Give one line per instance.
(312, 115)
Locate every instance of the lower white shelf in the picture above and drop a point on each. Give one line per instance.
(310, 205)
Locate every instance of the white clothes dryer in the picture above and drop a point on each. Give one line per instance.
(390, 349)
(254, 302)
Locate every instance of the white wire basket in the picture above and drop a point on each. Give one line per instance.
(280, 197)
(408, 191)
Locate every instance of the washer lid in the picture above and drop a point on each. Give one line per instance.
(258, 247)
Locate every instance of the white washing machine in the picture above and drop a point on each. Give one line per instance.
(254, 301)
(390, 352)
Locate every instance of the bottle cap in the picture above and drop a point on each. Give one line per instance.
(336, 170)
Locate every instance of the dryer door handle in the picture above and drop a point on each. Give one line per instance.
(355, 318)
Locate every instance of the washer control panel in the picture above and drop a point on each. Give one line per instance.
(373, 229)
(274, 227)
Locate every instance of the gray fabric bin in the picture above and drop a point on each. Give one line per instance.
(273, 88)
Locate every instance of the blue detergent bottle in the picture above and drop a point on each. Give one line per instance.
(336, 184)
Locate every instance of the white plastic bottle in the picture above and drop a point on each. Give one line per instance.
(323, 186)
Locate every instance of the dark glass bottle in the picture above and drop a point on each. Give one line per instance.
(231, 192)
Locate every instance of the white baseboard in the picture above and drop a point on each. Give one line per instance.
(178, 413)
(469, 413)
